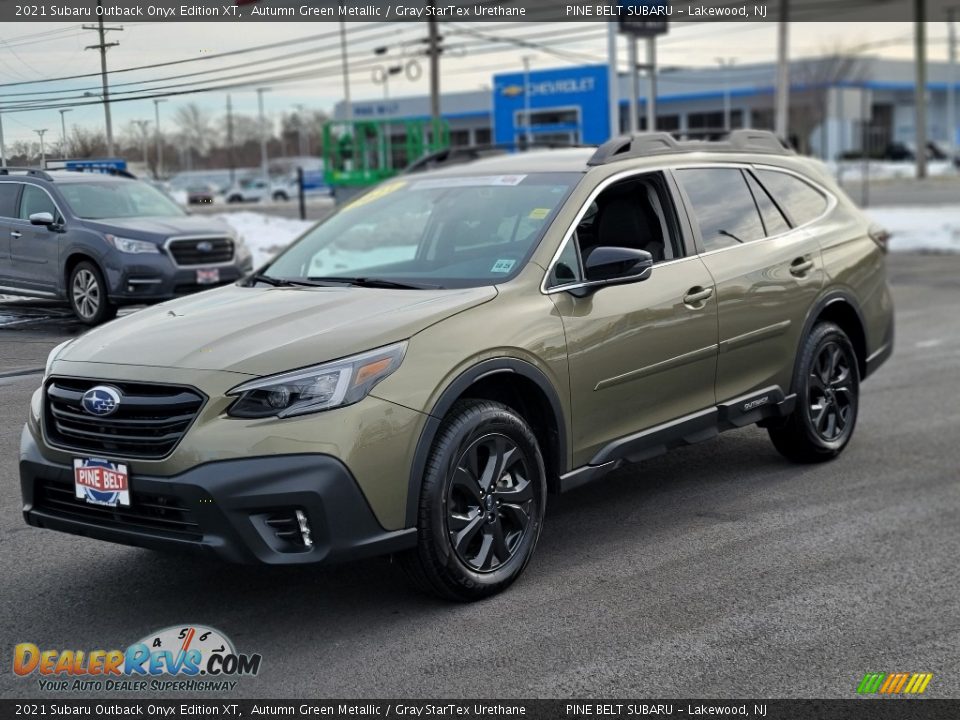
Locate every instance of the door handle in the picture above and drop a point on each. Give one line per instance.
(801, 266)
(14, 234)
(697, 295)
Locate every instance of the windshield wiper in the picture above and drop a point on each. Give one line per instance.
(375, 283)
(280, 282)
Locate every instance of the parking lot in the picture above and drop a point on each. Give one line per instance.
(718, 570)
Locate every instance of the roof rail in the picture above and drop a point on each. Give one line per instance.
(662, 143)
(32, 172)
(461, 154)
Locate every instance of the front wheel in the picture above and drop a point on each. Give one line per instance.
(88, 295)
(827, 383)
(481, 504)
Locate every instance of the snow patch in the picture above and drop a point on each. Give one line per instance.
(265, 235)
(920, 229)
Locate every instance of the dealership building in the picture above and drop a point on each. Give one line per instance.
(837, 104)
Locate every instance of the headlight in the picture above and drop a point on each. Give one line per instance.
(321, 387)
(54, 354)
(128, 245)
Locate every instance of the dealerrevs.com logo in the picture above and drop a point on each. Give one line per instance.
(179, 658)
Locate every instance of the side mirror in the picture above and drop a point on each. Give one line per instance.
(616, 265)
(41, 218)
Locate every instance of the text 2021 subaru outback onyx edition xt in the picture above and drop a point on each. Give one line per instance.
(101, 241)
(416, 373)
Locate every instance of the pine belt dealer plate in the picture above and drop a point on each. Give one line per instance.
(209, 276)
(101, 482)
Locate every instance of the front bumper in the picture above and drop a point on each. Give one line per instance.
(134, 279)
(220, 508)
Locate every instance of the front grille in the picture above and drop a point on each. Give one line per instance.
(201, 251)
(148, 423)
(158, 514)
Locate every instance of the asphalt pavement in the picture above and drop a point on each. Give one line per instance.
(719, 570)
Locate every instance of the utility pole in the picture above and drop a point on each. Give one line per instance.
(634, 83)
(43, 152)
(3, 149)
(725, 65)
(346, 75)
(952, 86)
(302, 149)
(142, 124)
(527, 135)
(157, 136)
(230, 139)
(433, 41)
(613, 82)
(263, 133)
(652, 88)
(63, 133)
(920, 89)
(782, 90)
(102, 47)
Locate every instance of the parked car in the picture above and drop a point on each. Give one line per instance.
(416, 373)
(278, 190)
(101, 241)
(202, 194)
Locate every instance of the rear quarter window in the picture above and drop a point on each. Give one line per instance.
(799, 199)
(8, 199)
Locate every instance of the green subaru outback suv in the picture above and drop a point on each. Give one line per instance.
(416, 374)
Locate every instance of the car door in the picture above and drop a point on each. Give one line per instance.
(35, 249)
(640, 354)
(9, 192)
(767, 270)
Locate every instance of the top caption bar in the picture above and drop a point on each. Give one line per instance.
(677, 11)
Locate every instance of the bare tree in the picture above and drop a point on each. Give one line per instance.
(816, 78)
(196, 128)
(87, 143)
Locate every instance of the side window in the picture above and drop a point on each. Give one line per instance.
(8, 199)
(722, 205)
(34, 200)
(799, 199)
(566, 269)
(773, 220)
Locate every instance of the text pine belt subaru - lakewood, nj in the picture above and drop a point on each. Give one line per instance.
(416, 374)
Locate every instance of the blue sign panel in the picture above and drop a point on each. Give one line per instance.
(566, 104)
(101, 165)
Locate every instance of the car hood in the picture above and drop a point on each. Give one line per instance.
(260, 331)
(160, 228)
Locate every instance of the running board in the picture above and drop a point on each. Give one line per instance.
(756, 407)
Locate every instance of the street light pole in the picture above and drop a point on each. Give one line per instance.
(3, 149)
(63, 133)
(346, 76)
(263, 133)
(156, 132)
(43, 152)
(782, 90)
(527, 135)
(920, 87)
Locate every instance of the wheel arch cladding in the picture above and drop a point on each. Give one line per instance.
(73, 259)
(520, 386)
(841, 309)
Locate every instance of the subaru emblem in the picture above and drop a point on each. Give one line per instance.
(204, 246)
(101, 400)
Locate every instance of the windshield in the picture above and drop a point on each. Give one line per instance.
(94, 200)
(444, 231)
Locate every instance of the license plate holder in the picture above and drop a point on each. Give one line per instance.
(208, 276)
(101, 482)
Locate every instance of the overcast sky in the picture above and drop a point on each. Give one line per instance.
(32, 51)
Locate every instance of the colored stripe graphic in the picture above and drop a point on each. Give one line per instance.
(894, 683)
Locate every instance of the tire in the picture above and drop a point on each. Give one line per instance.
(473, 543)
(280, 197)
(234, 199)
(826, 381)
(87, 294)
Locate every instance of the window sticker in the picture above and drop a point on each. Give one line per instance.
(474, 181)
(539, 213)
(503, 265)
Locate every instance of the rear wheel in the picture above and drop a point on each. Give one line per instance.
(88, 294)
(481, 504)
(827, 384)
